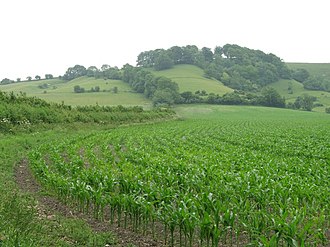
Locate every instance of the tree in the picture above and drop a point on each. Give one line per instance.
(327, 110)
(49, 76)
(176, 54)
(91, 71)
(300, 75)
(97, 89)
(105, 67)
(29, 78)
(207, 54)
(6, 81)
(163, 97)
(74, 72)
(189, 54)
(304, 102)
(163, 61)
(270, 97)
(18, 79)
(78, 89)
(37, 77)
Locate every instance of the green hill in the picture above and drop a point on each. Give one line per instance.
(56, 90)
(191, 78)
(188, 77)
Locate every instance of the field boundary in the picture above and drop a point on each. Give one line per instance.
(48, 206)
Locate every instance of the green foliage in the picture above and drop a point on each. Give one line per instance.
(21, 112)
(245, 69)
(78, 89)
(229, 176)
(270, 97)
(304, 102)
(6, 81)
(317, 83)
(49, 76)
(163, 61)
(327, 110)
(300, 75)
(23, 220)
(74, 72)
(145, 82)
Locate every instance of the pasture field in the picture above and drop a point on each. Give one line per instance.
(220, 174)
(281, 86)
(190, 78)
(317, 69)
(59, 91)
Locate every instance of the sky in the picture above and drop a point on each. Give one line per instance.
(41, 37)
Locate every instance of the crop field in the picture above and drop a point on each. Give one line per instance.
(218, 175)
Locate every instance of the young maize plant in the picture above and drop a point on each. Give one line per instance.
(222, 181)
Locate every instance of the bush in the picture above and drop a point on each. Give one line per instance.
(327, 110)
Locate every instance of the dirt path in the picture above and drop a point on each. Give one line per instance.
(49, 206)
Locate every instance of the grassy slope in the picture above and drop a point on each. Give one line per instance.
(298, 89)
(321, 69)
(59, 91)
(190, 78)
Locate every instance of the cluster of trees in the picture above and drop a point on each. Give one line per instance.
(161, 90)
(305, 102)
(106, 72)
(237, 67)
(96, 89)
(268, 97)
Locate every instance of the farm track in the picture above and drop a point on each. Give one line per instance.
(48, 206)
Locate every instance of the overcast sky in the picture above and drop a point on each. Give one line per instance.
(48, 36)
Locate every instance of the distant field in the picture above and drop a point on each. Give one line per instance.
(190, 78)
(298, 90)
(321, 69)
(59, 91)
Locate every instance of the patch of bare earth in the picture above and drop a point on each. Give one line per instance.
(49, 206)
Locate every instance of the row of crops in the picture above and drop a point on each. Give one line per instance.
(201, 182)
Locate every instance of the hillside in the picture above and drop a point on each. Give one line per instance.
(316, 69)
(59, 91)
(187, 77)
(191, 78)
(298, 90)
